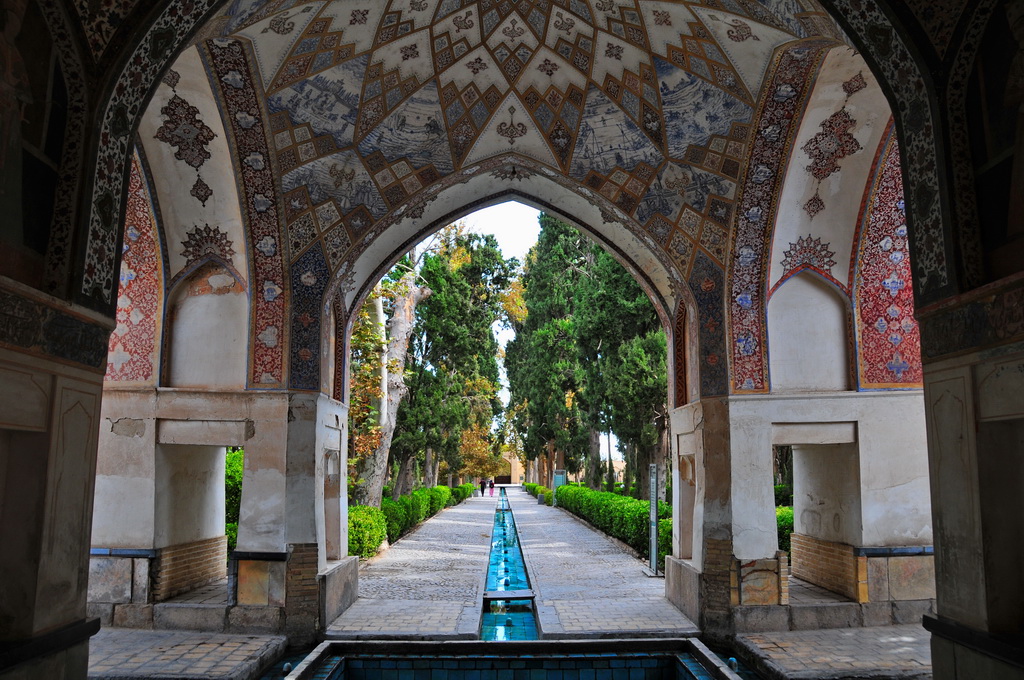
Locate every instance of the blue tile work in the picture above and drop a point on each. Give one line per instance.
(505, 620)
(310, 277)
(707, 283)
(638, 666)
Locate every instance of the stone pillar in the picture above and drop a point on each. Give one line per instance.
(49, 415)
(975, 411)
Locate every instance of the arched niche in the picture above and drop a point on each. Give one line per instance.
(808, 347)
(206, 333)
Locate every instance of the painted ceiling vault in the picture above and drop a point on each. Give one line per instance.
(305, 145)
(369, 104)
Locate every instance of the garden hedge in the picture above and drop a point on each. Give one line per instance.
(623, 517)
(367, 528)
(784, 520)
(396, 517)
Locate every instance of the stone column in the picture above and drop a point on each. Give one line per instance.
(49, 415)
(975, 411)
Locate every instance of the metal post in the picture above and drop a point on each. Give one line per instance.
(654, 517)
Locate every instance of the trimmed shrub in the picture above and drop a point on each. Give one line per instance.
(420, 506)
(367, 528)
(440, 495)
(664, 541)
(549, 496)
(784, 520)
(620, 516)
(464, 491)
(531, 488)
(396, 516)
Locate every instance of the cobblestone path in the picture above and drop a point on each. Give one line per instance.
(587, 586)
(429, 584)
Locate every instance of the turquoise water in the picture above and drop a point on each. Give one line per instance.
(506, 570)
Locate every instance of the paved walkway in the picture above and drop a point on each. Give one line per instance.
(429, 585)
(124, 653)
(587, 586)
(901, 652)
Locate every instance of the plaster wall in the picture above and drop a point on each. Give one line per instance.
(893, 469)
(808, 355)
(208, 345)
(124, 510)
(190, 496)
(316, 424)
(136, 422)
(826, 492)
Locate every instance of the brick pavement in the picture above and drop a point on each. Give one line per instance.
(125, 654)
(890, 652)
(429, 585)
(587, 585)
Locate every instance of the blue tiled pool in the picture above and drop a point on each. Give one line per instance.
(512, 619)
(680, 666)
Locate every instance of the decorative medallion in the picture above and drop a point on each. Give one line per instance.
(811, 252)
(188, 134)
(831, 144)
(205, 241)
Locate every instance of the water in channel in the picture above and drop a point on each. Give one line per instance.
(507, 619)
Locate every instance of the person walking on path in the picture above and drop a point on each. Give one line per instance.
(491, 484)
(483, 487)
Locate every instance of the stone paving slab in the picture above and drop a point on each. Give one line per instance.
(587, 585)
(889, 652)
(127, 654)
(429, 584)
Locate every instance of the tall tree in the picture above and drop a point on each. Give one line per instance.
(541, 360)
(404, 295)
(453, 371)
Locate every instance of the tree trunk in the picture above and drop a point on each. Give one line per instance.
(373, 467)
(661, 456)
(404, 483)
(611, 465)
(593, 478)
(430, 469)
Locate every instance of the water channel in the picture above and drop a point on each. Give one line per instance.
(508, 599)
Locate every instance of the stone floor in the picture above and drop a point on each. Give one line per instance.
(124, 654)
(888, 652)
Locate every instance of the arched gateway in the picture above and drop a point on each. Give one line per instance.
(257, 166)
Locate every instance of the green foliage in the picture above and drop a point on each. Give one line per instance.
(234, 464)
(664, 541)
(531, 488)
(620, 516)
(784, 520)
(440, 496)
(367, 528)
(452, 372)
(549, 497)
(233, 467)
(783, 495)
(397, 518)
